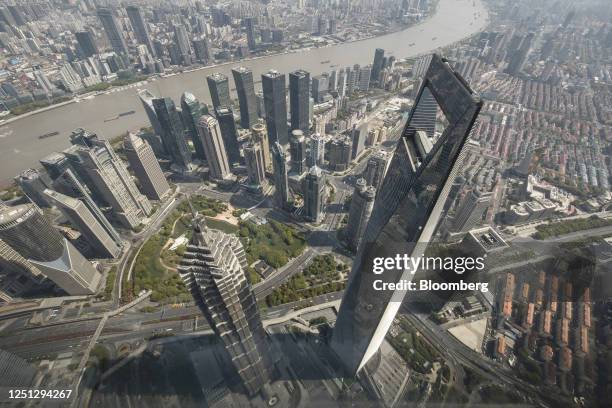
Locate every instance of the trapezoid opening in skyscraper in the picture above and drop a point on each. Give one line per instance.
(407, 209)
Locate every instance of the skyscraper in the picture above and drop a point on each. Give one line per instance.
(471, 210)
(214, 147)
(297, 151)
(364, 78)
(243, 78)
(87, 43)
(362, 203)
(95, 160)
(376, 169)
(225, 116)
(406, 213)
(275, 101)
(27, 231)
(172, 132)
(33, 183)
(249, 26)
(259, 134)
(299, 95)
(314, 194)
(317, 149)
(141, 30)
(319, 87)
(143, 162)
(378, 65)
(192, 111)
(66, 182)
(112, 28)
(358, 138)
(218, 86)
(147, 98)
(213, 270)
(256, 170)
(281, 181)
(182, 41)
(201, 48)
(86, 223)
(17, 270)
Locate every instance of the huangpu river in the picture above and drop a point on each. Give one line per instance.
(20, 146)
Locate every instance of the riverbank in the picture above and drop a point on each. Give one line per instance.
(20, 148)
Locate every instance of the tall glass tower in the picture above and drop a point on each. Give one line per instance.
(406, 211)
(275, 101)
(243, 78)
(299, 95)
(173, 133)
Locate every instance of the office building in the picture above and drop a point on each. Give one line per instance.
(201, 49)
(86, 223)
(377, 66)
(314, 194)
(319, 87)
(66, 182)
(297, 151)
(376, 169)
(147, 99)
(362, 203)
(299, 100)
(341, 83)
(172, 132)
(25, 229)
(340, 151)
(281, 180)
(96, 161)
(249, 26)
(406, 212)
(471, 210)
(243, 78)
(113, 31)
(358, 139)
(87, 43)
(17, 274)
(218, 86)
(317, 150)
(191, 110)
(146, 168)
(33, 183)
(259, 134)
(214, 147)
(256, 169)
(225, 116)
(275, 101)
(213, 270)
(140, 27)
(364, 78)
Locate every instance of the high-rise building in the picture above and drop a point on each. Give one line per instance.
(213, 270)
(362, 203)
(358, 137)
(299, 95)
(33, 184)
(243, 78)
(141, 30)
(201, 49)
(146, 168)
(16, 273)
(364, 78)
(192, 111)
(281, 180)
(147, 98)
(214, 147)
(341, 83)
(314, 194)
(249, 26)
(26, 230)
(297, 151)
(259, 134)
(256, 170)
(340, 153)
(406, 213)
(378, 65)
(113, 31)
(87, 43)
(172, 132)
(96, 161)
(218, 86)
(66, 182)
(317, 150)
(225, 116)
(319, 87)
(471, 210)
(86, 223)
(275, 101)
(376, 169)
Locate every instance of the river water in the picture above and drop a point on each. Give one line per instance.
(21, 148)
